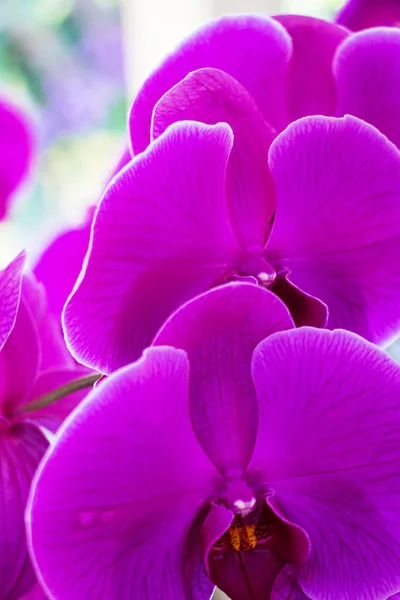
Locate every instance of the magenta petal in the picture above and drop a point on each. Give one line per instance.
(21, 449)
(231, 44)
(304, 309)
(16, 147)
(112, 507)
(53, 351)
(360, 14)
(219, 331)
(286, 586)
(367, 71)
(217, 521)
(36, 593)
(337, 223)
(161, 236)
(60, 264)
(20, 360)
(211, 96)
(311, 88)
(329, 447)
(10, 291)
(246, 575)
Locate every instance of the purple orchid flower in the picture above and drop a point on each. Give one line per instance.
(361, 14)
(16, 149)
(33, 362)
(250, 455)
(314, 215)
(291, 66)
(60, 263)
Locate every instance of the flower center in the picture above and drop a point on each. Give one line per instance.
(247, 533)
(243, 556)
(255, 269)
(258, 267)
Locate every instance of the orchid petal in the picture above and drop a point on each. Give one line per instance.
(367, 72)
(337, 223)
(21, 448)
(111, 510)
(59, 265)
(304, 308)
(53, 351)
(230, 44)
(219, 331)
(360, 14)
(211, 96)
(328, 446)
(20, 360)
(311, 88)
(10, 291)
(286, 586)
(36, 593)
(246, 576)
(161, 236)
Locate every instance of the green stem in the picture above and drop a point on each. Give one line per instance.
(61, 392)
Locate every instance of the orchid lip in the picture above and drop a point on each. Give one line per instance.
(236, 542)
(251, 522)
(246, 534)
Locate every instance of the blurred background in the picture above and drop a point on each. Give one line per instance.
(62, 61)
(74, 66)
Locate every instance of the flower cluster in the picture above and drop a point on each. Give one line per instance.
(36, 368)
(241, 280)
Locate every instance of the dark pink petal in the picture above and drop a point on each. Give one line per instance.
(161, 236)
(328, 448)
(231, 44)
(211, 96)
(60, 264)
(21, 449)
(311, 88)
(367, 71)
(246, 575)
(19, 360)
(10, 290)
(53, 415)
(16, 148)
(36, 593)
(337, 223)
(304, 309)
(113, 506)
(360, 14)
(286, 586)
(53, 351)
(219, 331)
